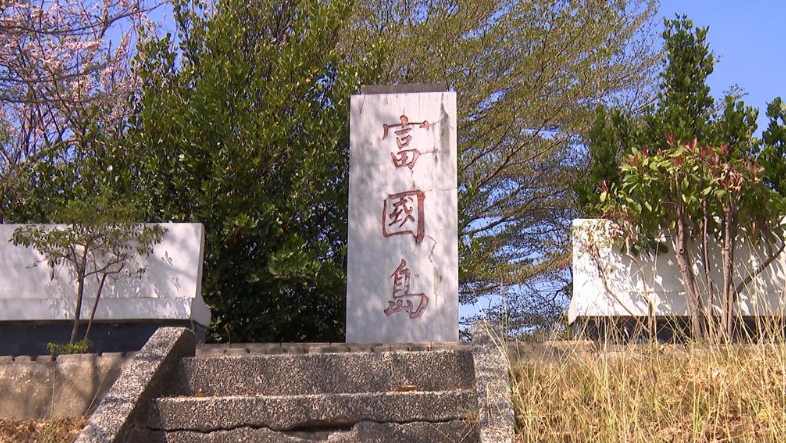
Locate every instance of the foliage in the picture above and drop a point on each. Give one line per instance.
(79, 347)
(528, 76)
(241, 125)
(695, 171)
(94, 242)
(607, 139)
(774, 151)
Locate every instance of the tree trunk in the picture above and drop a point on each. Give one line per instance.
(95, 305)
(709, 284)
(80, 278)
(728, 269)
(691, 291)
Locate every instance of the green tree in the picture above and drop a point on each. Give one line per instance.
(695, 170)
(242, 125)
(773, 157)
(607, 140)
(528, 77)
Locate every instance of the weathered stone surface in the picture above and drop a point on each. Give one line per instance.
(402, 272)
(224, 349)
(403, 89)
(68, 386)
(280, 413)
(495, 410)
(141, 381)
(347, 372)
(457, 431)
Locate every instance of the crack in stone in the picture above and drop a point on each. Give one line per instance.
(437, 274)
(300, 428)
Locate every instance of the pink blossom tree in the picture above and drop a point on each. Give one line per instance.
(64, 71)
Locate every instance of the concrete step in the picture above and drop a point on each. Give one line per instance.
(457, 431)
(318, 373)
(310, 413)
(226, 349)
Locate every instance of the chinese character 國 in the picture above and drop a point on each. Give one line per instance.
(403, 213)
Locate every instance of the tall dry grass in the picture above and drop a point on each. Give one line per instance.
(653, 393)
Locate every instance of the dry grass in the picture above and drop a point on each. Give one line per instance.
(654, 393)
(60, 430)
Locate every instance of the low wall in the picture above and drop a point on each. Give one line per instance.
(170, 288)
(32, 338)
(37, 303)
(608, 283)
(69, 386)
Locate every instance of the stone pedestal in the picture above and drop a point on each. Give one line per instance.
(402, 276)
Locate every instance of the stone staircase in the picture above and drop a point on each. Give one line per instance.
(386, 393)
(176, 391)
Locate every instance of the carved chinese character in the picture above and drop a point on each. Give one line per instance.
(403, 213)
(402, 299)
(405, 157)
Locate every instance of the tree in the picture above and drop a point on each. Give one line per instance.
(94, 243)
(696, 171)
(64, 75)
(528, 76)
(242, 125)
(608, 139)
(774, 152)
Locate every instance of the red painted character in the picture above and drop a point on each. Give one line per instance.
(402, 299)
(403, 213)
(404, 157)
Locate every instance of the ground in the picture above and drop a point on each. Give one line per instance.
(61, 430)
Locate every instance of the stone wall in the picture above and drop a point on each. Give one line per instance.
(68, 386)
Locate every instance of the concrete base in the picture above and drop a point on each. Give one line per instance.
(142, 407)
(305, 412)
(31, 338)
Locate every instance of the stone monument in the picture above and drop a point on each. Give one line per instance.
(402, 275)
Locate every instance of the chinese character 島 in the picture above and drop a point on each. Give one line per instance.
(402, 299)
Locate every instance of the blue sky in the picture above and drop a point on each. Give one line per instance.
(748, 37)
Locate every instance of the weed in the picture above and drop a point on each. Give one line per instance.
(79, 347)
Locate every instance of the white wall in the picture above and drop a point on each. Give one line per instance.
(623, 293)
(169, 289)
